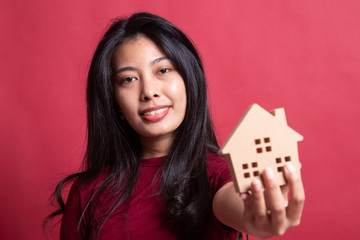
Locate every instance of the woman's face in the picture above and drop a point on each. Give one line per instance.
(149, 90)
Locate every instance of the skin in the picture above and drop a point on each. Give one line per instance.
(146, 79)
(262, 213)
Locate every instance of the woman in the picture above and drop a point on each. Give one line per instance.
(151, 170)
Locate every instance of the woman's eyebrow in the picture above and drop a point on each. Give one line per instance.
(159, 60)
(124, 69)
(128, 68)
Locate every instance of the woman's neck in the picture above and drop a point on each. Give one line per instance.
(155, 147)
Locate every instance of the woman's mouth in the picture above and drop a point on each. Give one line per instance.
(155, 114)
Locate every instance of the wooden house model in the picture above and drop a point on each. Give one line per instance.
(261, 139)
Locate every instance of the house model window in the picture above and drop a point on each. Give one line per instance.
(261, 139)
(260, 145)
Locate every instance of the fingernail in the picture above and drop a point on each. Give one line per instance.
(256, 185)
(290, 168)
(269, 173)
(243, 196)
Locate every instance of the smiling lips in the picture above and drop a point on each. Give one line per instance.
(155, 114)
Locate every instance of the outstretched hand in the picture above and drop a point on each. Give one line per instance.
(271, 211)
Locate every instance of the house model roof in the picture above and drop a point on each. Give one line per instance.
(261, 139)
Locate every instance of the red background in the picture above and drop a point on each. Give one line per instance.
(302, 55)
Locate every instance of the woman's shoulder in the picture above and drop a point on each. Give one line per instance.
(218, 171)
(215, 160)
(84, 186)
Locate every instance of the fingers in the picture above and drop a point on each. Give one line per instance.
(285, 193)
(260, 212)
(275, 202)
(297, 195)
(268, 211)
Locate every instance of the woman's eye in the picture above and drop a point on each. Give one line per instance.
(128, 80)
(164, 70)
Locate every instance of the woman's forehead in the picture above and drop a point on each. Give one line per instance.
(135, 49)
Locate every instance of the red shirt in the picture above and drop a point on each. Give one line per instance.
(146, 216)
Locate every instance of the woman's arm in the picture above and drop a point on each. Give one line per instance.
(262, 213)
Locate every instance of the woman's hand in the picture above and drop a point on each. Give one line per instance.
(270, 212)
(262, 213)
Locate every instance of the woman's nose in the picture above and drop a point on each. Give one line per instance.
(150, 89)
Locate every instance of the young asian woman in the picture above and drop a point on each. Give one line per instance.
(151, 168)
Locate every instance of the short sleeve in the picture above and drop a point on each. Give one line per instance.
(218, 171)
(219, 175)
(71, 216)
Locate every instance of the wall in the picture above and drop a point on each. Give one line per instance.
(301, 55)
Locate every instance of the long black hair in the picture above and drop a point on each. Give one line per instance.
(114, 146)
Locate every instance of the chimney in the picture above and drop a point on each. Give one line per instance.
(279, 114)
